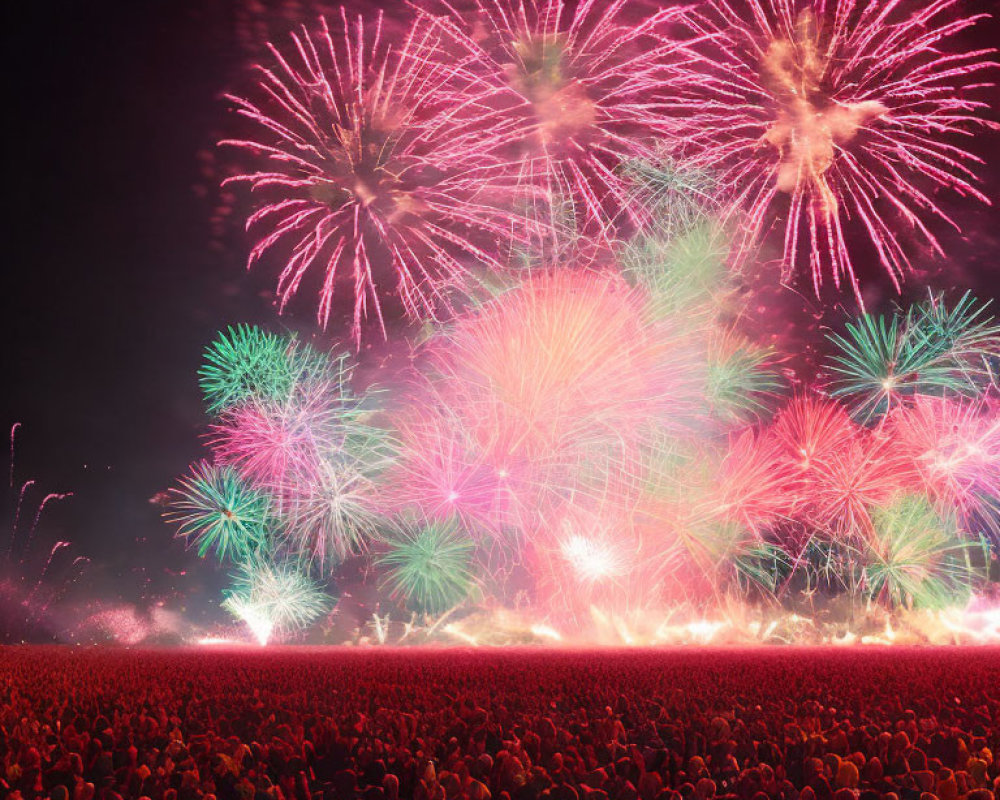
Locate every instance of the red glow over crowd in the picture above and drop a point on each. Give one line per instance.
(289, 724)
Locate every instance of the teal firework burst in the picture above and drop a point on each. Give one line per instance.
(740, 379)
(215, 509)
(246, 363)
(931, 350)
(274, 597)
(430, 569)
(917, 557)
(685, 274)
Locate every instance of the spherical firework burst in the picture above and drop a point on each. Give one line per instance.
(216, 509)
(274, 598)
(930, 350)
(370, 177)
(443, 472)
(866, 474)
(245, 363)
(430, 568)
(333, 509)
(835, 116)
(953, 446)
(569, 93)
(535, 385)
(916, 557)
(267, 441)
(564, 360)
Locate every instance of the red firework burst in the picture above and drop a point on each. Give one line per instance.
(867, 473)
(369, 176)
(830, 115)
(568, 92)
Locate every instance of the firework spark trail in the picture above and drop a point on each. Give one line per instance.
(570, 94)
(836, 113)
(369, 168)
(13, 434)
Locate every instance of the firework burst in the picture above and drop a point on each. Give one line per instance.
(931, 350)
(570, 93)
(430, 568)
(216, 509)
(370, 179)
(916, 557)
(245, 363)
(953, 445)
(832, 116)
(274, 598)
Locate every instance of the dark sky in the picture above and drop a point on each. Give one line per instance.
(113, 280)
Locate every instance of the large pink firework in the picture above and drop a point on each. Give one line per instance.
(369, 178)
(568, 91)
(531, 397)
(867, 473)
(833, 116)
(953, 446)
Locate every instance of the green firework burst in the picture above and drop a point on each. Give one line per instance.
(246, 363)
(275, 596)
(740, 379)
(684, 273)
(216, 509)
(931, 350)
(917, 557)
(430, 569)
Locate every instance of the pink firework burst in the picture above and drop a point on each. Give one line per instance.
(270, 441)
(443, 474)
(369, 177)
(568, 91)
(953, 446)
(833, 116)
(867, 473)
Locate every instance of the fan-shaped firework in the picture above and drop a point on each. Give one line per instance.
(216, 509)
(273, 597)
(916, 557)
(836, 116)
(372, 179)
(929, 351)
(430, 568)
(569, 93)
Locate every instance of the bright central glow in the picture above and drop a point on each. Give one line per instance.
(592, 560)
(260, 626)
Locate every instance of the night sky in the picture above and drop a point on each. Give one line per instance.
(116, 277)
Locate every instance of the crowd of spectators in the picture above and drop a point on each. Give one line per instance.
(289, 724)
